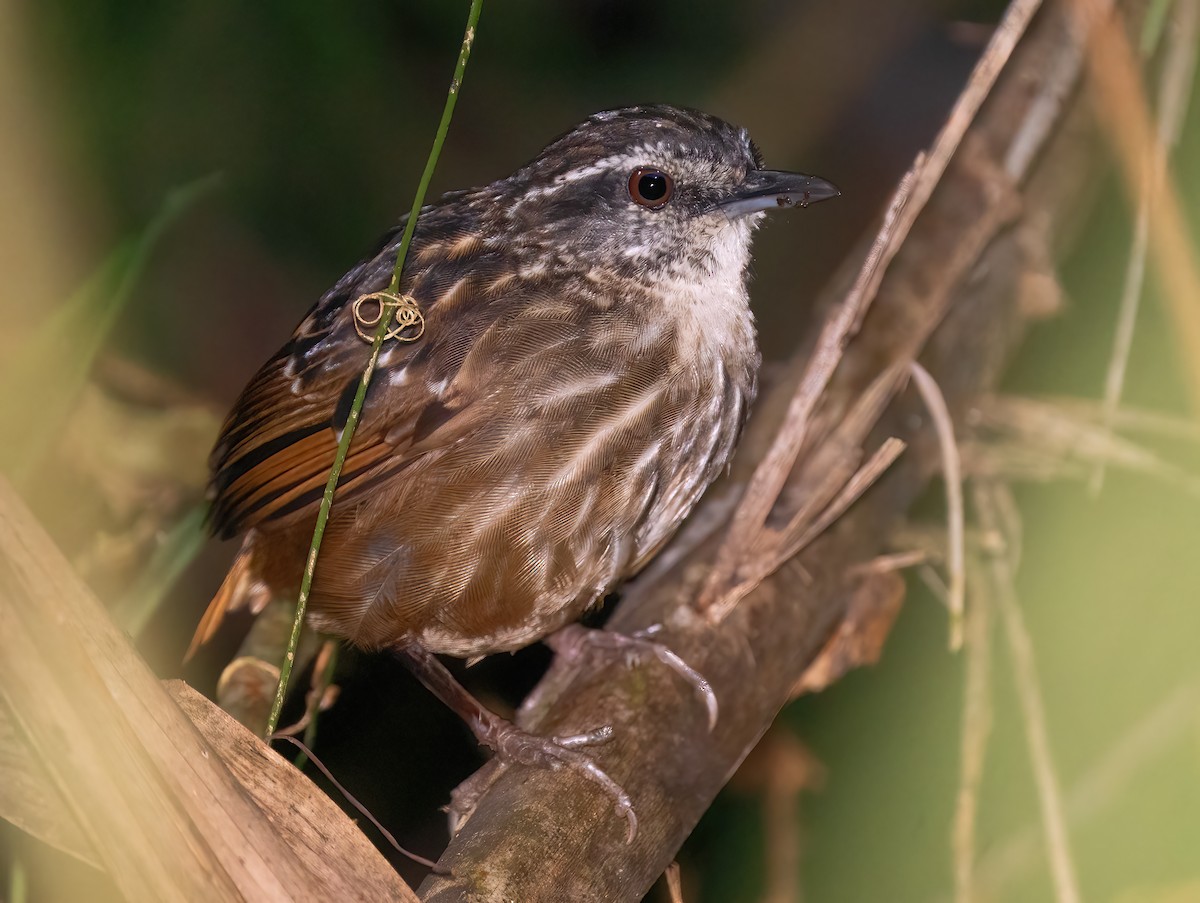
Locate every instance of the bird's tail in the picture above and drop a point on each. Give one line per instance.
(241, 589)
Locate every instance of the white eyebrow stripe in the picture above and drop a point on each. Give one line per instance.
(646, 154)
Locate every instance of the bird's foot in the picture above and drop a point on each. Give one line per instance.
(575, 640)
(511, 744)
(515, 746)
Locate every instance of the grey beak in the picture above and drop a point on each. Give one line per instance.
(765, 189)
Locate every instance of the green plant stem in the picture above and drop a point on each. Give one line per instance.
(385, 315)
(439, 139)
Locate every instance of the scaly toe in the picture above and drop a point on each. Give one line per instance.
(515, 745)
(573, 640)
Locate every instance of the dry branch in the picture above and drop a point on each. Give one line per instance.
(152, 799)
(1017, 179)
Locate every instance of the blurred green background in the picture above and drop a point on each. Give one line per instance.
(318, 116)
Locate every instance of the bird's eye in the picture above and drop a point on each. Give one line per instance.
(650, 187)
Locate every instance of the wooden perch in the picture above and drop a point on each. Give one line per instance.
(957, 294)
(114, 771)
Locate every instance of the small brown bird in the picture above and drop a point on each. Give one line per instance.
(586, 367)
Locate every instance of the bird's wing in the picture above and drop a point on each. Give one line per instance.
(277, 446)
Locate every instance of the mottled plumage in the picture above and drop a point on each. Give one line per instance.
(586, 368)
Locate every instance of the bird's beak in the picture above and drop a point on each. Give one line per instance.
(765, 189)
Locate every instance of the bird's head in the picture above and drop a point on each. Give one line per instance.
(651, 190)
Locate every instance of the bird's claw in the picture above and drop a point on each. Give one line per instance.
(513, 745)
(573, 639)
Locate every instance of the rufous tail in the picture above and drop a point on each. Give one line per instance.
(240, 590)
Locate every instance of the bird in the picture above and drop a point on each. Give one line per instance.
(585, 364)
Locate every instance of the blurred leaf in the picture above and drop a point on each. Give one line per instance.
(175, 553)
(1153, 25)
(40, 383)
(18, 885)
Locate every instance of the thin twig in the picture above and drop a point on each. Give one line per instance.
(933, 581)
(907, 203)
(322, 681)
(863, 479)
(674, 883)
(952, 477)
(1174, 90)
(1054, 823)
(831, 481)
(772, 473)
(893, 561)
(316, 700)
(360, 396)
(1131, 296)
(353, 801)
(832, 463)
(791, 768)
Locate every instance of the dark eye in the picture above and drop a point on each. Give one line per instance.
(650, 187)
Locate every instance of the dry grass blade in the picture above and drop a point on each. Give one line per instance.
(1054, 823)
(29, 799)
(1175, 86)
(1031, 439)
(1125, 114)
(1127, 419)
(858, 640)
(835, 460)
(976, 727)
(1170, 722)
